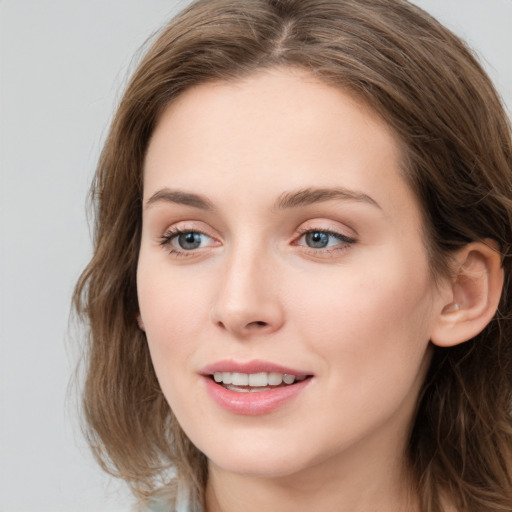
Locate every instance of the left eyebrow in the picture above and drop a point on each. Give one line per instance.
(307, 196)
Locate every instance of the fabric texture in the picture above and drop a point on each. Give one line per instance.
(161, 504)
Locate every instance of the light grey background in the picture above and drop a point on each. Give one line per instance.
(62, 66)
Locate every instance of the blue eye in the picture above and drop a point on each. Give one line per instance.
(317, 239)
(180, 241)
(325, 239)
(189, 241)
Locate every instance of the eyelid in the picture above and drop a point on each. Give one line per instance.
(170, 234)
(345, 240)
(329, 231)
(189, 226)
(173, 233)
(332, 227)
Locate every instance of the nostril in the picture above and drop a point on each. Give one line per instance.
(256, 324)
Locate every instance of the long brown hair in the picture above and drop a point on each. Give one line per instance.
(457, 149)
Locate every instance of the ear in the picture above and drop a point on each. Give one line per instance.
(140, 323)
(473, 294)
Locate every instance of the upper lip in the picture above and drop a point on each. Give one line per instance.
(254, 366)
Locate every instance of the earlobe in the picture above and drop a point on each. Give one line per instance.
(140, 323)
(475, 294)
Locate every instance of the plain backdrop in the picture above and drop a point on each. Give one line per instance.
(63, 65)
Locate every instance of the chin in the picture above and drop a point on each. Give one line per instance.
(259, 460)
(263, 467)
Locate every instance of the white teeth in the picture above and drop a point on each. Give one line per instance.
(246, 389)
(257, 380)
(288, 379)
(274, 379)
(240, 379)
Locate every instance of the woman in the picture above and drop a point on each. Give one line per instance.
(299, 297)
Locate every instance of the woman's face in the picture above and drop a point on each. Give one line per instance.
(279, 237)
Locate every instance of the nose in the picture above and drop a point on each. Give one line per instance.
(248, 299)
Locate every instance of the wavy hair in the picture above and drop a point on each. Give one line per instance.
(456, 139)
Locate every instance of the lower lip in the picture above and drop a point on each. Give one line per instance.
(256, 402)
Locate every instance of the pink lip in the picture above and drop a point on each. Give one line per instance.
(252, 403)
(255, 366)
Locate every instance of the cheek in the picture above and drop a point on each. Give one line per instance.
(371, 333)
(171, 306)
(379, 316)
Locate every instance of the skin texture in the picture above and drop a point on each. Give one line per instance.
(358, 316)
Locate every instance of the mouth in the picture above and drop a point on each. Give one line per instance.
(255, 387)
(256, 382)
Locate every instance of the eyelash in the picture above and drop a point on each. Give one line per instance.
(345, 241)
(172, 233)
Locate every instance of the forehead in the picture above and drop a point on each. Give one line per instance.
(274, 100)
(281, 126)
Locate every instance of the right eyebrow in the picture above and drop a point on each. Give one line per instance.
(166, 195)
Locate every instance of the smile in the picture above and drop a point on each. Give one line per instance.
(255, 387)
(255, 382)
